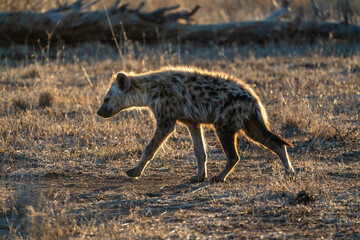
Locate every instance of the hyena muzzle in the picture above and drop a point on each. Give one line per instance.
(194, 97)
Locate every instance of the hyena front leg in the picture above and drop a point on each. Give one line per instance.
(162, 132)
(199, 150)
(228, 143)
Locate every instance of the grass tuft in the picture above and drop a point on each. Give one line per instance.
(20, 104)
(45, 99)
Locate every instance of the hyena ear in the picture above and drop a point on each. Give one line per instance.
(123, 82)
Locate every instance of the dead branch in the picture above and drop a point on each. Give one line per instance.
(181, 15)
(90, 4)
(75, 7)
(322, 15)
(141, 5)
(114, 7)
(157, 15)
(347, 10)
(278, 14)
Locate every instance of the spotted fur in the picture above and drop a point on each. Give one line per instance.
(195, 97)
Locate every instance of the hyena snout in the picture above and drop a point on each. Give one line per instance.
(104, 112)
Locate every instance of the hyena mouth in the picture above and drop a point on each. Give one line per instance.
(104, 112)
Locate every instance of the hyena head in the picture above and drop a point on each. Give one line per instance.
(116, 98)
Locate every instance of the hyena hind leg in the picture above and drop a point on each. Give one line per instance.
(257, 131)
(229, 146)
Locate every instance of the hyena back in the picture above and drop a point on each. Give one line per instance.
(195, 97)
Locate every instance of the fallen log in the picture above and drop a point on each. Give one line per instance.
(269, 31)
(77, 26)
(115, 23)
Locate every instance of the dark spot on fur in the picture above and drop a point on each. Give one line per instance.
(179, 75)
(193, 98)
(192, 79)
(220, 128)
(212, 93)
(174, 80)
(231, 114)
(166, 123)
(215, 81)
(198, 88)
(183, 92)
(206, 98)
(232, 99)
(154, 95)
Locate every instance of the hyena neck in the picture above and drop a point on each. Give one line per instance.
(139, 95)
(138, 98)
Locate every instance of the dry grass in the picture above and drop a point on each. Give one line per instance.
(62, 167)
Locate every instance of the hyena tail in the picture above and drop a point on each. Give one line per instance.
(260, 123)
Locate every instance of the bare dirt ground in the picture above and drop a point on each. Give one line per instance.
(62, 172)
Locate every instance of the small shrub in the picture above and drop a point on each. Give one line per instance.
(302, 197)
(31, 73)
(45, 99)
(20, 104)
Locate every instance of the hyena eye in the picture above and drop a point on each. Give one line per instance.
(106, 100)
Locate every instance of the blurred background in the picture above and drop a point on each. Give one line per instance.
(211, 11)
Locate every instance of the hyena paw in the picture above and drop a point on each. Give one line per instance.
(133, 173)
(217, 179)
(197, 178)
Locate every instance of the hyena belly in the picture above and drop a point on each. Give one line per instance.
(195, 97)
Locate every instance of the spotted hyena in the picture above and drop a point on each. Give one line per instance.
(194, 97)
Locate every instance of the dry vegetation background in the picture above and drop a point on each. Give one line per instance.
(62, 172)
(217, 11)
